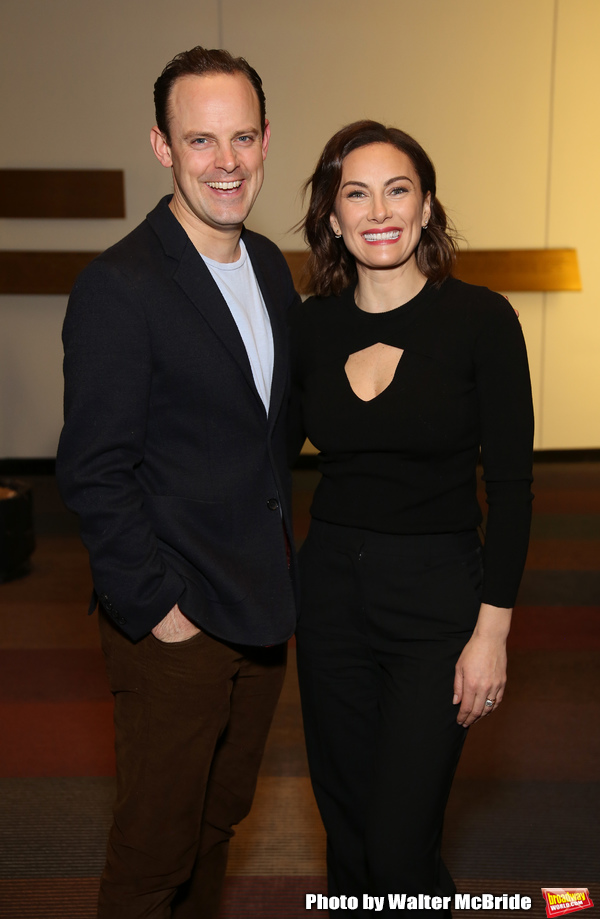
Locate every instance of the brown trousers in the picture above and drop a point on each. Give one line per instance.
(191, 722)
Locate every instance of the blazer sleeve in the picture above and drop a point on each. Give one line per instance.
(296, 434)
(107, 369)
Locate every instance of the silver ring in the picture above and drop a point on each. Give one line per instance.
(489, 701)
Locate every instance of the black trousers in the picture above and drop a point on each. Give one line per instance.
(383, 622)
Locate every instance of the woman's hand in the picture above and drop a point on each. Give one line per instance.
(480, 673)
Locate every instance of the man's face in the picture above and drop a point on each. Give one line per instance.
(216, 151)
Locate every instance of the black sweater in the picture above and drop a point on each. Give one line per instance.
(405, 461)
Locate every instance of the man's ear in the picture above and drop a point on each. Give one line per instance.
(266, 138)
(161, 148)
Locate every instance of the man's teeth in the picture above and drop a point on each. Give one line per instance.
(375, 237)
(225, 186)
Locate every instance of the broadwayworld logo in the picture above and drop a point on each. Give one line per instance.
(560, 900)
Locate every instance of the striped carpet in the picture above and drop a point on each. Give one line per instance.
(524, 811)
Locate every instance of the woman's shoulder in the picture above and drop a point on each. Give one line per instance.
(474, 304)
(319, 312)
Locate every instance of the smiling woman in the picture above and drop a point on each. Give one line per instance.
(380, 219)
(331, 266)
(401, 375)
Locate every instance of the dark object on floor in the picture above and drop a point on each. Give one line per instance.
(17, 540)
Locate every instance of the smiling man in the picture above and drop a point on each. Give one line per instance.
(173, 456)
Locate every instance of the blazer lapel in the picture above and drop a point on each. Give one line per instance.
(197, 283)
(278, 328)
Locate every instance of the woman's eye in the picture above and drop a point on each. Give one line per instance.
(399, 190)
(356, 194)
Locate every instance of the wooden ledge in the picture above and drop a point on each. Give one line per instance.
(62, 193)
(41, 272)
(499, 269)
(520, 269)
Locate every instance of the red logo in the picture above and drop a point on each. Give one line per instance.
(561, 900)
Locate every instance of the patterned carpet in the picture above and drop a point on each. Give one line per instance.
(524, 811)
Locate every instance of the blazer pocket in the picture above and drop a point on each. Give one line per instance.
(198, 539)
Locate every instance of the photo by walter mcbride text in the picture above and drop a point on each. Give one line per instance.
(401, 901)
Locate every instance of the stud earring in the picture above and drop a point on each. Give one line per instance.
(338, 235)
(425, 225)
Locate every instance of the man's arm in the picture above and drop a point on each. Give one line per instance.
(107, 392)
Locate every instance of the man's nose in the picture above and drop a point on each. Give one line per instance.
(226, 157)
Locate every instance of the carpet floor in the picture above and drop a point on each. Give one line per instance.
(524, 810)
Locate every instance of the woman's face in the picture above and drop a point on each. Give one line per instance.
(379, 208)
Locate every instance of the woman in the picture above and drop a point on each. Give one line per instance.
(402, 374)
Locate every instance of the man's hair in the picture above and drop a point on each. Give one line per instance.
(201, 62)
(330, 266)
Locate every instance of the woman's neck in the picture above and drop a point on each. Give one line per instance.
(381, 290)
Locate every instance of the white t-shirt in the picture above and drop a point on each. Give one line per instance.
(239, 287)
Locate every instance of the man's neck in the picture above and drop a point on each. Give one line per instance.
(221, 244)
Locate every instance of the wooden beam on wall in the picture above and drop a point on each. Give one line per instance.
(40, 272)
(499, 269)
(62, 193)
(520, 269)
(296, 263)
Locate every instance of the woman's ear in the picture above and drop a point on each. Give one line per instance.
(335, 225)
(426, 209)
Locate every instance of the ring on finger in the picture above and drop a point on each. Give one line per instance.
(489, 702)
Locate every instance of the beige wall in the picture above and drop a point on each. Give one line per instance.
(503, 96)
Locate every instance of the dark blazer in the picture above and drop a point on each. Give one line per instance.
(167, 454)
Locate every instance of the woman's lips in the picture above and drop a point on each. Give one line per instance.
(382, 236)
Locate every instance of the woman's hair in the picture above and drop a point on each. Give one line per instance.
(331, 267)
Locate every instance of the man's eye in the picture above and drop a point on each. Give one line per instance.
(199, 141)
(244, 138)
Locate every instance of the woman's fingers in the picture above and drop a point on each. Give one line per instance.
(481, 675)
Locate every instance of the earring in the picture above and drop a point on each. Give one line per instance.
(337, 235)
(425, 225)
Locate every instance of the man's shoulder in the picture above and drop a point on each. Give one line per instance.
(141, 252)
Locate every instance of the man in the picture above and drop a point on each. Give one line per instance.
(173, 456)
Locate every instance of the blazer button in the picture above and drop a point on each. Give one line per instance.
(273, 504)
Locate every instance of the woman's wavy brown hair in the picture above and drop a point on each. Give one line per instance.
(330, 267)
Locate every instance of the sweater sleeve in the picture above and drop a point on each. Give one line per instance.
(506, 422)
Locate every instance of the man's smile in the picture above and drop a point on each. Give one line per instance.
(225, 186)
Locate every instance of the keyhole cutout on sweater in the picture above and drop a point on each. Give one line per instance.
(371, 370)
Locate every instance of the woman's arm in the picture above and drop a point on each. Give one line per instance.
(506, 423)
(481, 668)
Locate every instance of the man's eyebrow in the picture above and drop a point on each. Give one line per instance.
(190, 134)
(385, 184)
